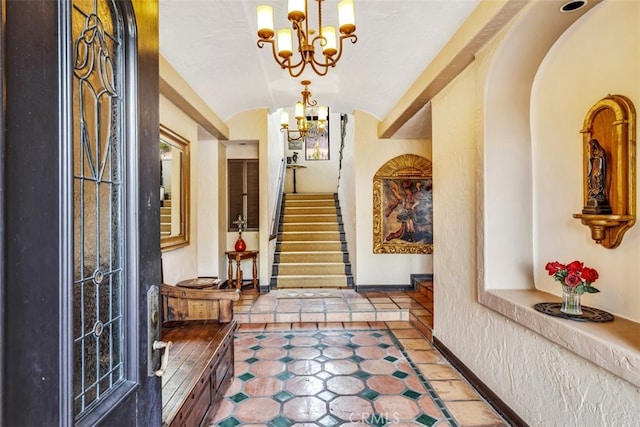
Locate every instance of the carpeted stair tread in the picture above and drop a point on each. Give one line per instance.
(311, 248)
(286, 219)
(309, 269)
(299, 281)
(311, 226)
(301, 246)
(310, 236)
(311, 256)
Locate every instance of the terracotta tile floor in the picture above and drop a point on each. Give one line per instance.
(344, 373)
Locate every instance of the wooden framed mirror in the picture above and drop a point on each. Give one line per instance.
(174, 190)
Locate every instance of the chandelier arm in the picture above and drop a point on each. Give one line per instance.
(319, 68)
(332, 61)
(292, 69)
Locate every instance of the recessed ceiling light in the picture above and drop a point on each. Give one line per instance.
(572, 6)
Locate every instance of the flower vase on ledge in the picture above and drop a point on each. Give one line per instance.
(240, 246)
(570, 300)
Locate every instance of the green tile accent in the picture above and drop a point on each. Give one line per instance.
(356, 359)
(352, 346)
(329, 421)
(377, 334)
(320, 346)
(377, 420)
(383, 345)
(361, 374)
(319, 335)
(321, 359)
(348, 335)
(323, 375)
(280, 422)
(390, 359)
(229, 422)
(369, 394)
(286, 359)
(239, 397)
(288, 347)
(260, 337)
(256, 347)
(246, 376)
(411, 394)
(283, 376)
(289, 336)
(282, 396)
(326, 395)
(426, 420)
(251, 360)
(399, 374)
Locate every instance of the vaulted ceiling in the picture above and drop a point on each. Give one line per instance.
(212, 45)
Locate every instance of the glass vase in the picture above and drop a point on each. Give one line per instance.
(570, 300)
(240, 245)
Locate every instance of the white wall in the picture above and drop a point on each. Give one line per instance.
(582, 68)
(182, 263)
(370, 153)
(319, 176)
(207, 207)
(252, 126)
(543, 382)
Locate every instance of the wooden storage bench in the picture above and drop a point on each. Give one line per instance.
(200, 325)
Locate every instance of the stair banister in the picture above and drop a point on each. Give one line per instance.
(275, 221)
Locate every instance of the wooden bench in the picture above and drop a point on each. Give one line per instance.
(200, 325)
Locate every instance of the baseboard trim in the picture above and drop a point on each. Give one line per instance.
(498, 404)
(383, 288)
(415, 279)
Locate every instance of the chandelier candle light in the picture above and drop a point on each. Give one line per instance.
(304, 127)
(326, 40)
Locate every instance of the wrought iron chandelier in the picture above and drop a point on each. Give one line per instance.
(325, 41)
(311, 119)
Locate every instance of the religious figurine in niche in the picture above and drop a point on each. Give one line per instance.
(597, 201)
(412, 199)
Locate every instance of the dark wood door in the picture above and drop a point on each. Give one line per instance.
(79, 212)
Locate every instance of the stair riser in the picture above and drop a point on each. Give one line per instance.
(311, 282)
(306, 247)
(311, 226)
(308, 196)
(310, 269)
(308, 218)
(311, 236)
(310, 211)
(311, 257)
(309, 204)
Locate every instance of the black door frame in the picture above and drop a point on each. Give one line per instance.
(35, 374)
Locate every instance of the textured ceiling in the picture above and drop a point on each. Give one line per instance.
(212, 44)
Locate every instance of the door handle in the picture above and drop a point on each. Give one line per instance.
(157, 345)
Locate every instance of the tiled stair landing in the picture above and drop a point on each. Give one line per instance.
(413, 306)
(351, 307)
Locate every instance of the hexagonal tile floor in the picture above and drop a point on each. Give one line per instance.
(325, 377)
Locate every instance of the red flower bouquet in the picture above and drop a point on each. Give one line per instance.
(574, 275)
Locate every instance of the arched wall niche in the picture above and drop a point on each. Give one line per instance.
(508, 247)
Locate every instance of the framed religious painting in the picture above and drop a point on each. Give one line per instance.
(403, 206)
(317, 139)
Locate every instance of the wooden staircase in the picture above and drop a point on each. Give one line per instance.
(311, 250)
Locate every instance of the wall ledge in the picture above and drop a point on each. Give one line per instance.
(614, 346)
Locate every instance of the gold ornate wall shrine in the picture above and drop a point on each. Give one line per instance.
(609, 171)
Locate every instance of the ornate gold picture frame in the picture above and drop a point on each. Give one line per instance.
(403, 206)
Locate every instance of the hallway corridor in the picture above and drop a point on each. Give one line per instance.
(303, 372)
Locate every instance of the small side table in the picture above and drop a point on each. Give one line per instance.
(295, 167)
(237, 257)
